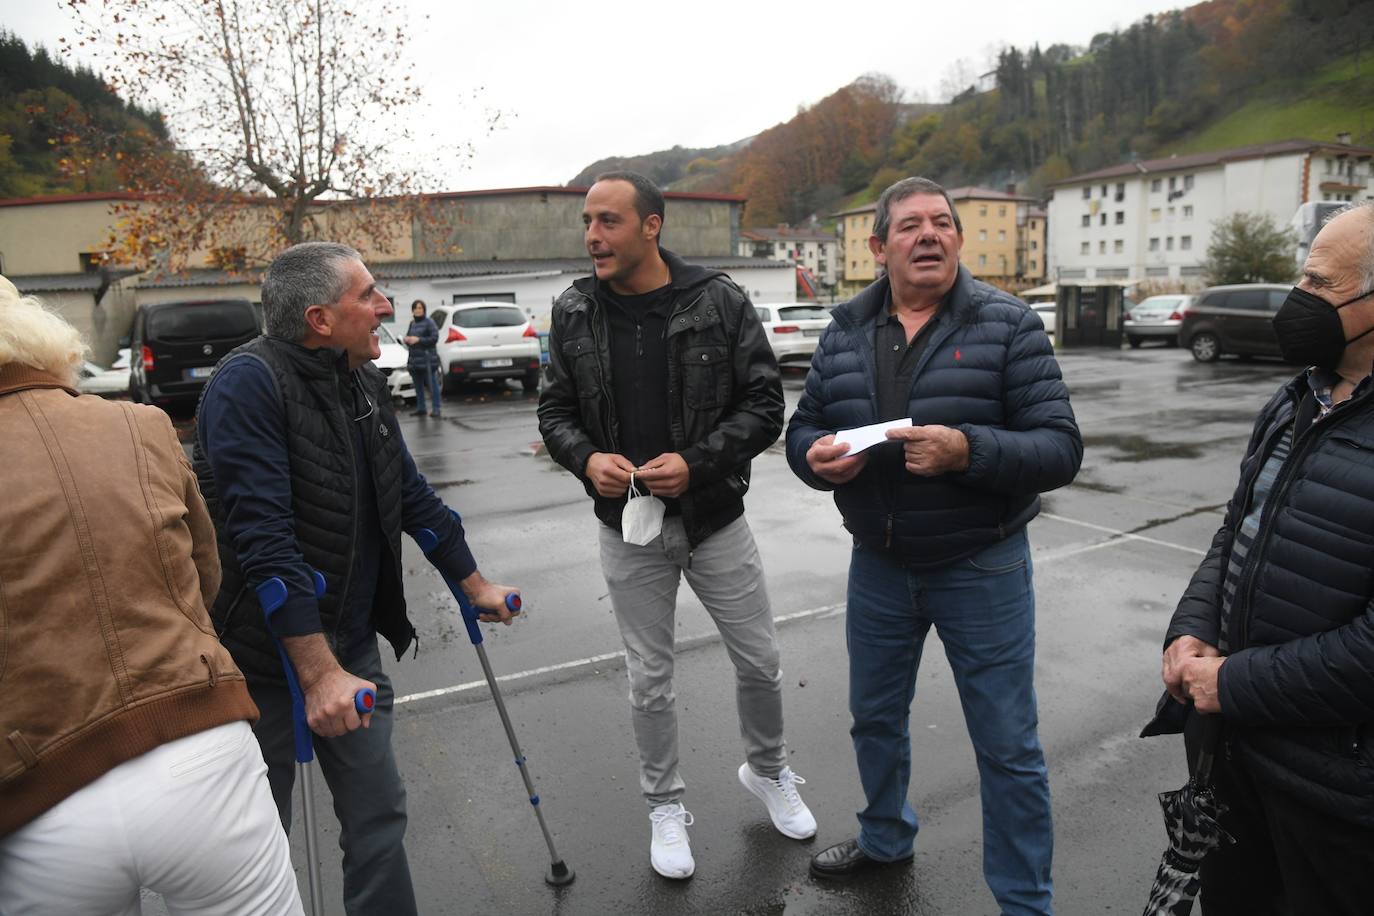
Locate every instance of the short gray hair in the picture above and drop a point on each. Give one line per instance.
(303, 275)
(908, 187)
(1366, 266)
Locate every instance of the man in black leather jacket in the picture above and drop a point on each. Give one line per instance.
(662, 382)
(1275, 632)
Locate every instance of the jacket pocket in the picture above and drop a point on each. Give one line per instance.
(580, 355)
(706, 376)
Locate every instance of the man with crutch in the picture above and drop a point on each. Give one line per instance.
(302, 464)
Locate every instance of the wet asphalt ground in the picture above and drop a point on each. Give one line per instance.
(1164, 436)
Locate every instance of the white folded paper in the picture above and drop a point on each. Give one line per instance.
(865, 437)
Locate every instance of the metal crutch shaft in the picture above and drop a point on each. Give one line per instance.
(559, 873)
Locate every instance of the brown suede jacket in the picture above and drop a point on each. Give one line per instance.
(107, 563)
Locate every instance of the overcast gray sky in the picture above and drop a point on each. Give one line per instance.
(575, 82)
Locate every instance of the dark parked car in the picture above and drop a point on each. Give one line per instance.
(1233, 319)
(176, 345)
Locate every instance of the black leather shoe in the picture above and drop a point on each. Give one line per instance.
(846, 860)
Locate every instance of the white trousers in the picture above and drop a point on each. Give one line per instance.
(192, 820)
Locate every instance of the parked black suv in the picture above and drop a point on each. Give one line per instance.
(175, 346)
(1233, 319)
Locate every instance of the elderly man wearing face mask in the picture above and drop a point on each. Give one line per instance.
(1275, 632)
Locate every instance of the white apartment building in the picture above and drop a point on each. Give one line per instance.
(813, 249)
(1152, 220)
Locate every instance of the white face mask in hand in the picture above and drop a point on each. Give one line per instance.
(642, 520)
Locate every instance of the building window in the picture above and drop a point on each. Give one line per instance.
(1102, 247)
(1154, 214)
(1032, 265)
(1087, 192)
(1188, 211)
(1001, 235)
(1154, 244)
(1120, 217)
(1083, 248)
(1185, 243)
(1172, 212)
(982, 235)
(1104, 190)
(1118, 246)
(854, 265)
(1102, 220)
(1187, 182)
(982, 209)
(982, 260)
(92, 261)
(1087, 220)
(1034, 245)
(1001, 211)
(1169, 243)
(1120, 191)
(1155, 184)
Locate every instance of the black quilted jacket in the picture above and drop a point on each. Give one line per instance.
(1298, 688)
(989, 372)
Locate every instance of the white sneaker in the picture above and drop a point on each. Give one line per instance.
(789, 813)
(670, 853)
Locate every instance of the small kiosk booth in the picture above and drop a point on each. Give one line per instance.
(1088, 316)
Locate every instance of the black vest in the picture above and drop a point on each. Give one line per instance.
(314, 388)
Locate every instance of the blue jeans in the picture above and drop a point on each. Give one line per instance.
(369, 797)
(983, 609)
(426, 378)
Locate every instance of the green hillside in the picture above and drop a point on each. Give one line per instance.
(1339, 98)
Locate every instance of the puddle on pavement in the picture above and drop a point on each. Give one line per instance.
(1082, 484)
(440, 484)
(1134, 448)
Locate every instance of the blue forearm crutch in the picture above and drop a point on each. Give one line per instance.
(272, 595)
(559, 873)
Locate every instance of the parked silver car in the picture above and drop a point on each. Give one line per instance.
(1155, 318)
(793, 328)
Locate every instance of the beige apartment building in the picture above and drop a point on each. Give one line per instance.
(1004, 239)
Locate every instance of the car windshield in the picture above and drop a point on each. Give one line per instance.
(802, 313)
(1161, 303)
(385, 336)
(208, 321)
(489, 316)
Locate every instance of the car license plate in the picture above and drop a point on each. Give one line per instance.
(497, 363)
(200, 372)
(812, 333)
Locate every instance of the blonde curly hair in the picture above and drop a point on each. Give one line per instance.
(37, 337)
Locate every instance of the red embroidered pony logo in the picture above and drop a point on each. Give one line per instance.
(957, 356)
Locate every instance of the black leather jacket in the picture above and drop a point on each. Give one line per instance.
(724, 405)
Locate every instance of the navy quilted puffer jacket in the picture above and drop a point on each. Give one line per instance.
(989, 372)
(1297, 691)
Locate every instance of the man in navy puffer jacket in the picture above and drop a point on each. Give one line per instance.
(1275, 632)
(938, 515)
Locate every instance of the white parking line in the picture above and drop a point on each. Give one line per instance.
(1116, 537)
(593, 659)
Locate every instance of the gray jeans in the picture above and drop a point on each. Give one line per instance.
(369, 798)
(725, 573)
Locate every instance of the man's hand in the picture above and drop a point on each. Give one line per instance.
(1200, 678)
(932, 450)
(666, 475)
(491, 597)
(609, 473)
(329, 689)
(1180, 651)
(826, 459)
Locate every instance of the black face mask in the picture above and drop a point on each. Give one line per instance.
(1309, 330)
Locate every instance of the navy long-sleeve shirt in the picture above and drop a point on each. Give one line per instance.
(242, 428)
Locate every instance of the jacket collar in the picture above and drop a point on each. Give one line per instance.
(19, 377)
(314, 362)
(962, 301)
(684, 276)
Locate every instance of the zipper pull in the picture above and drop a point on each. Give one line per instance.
(639, 340)
(887, 540)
